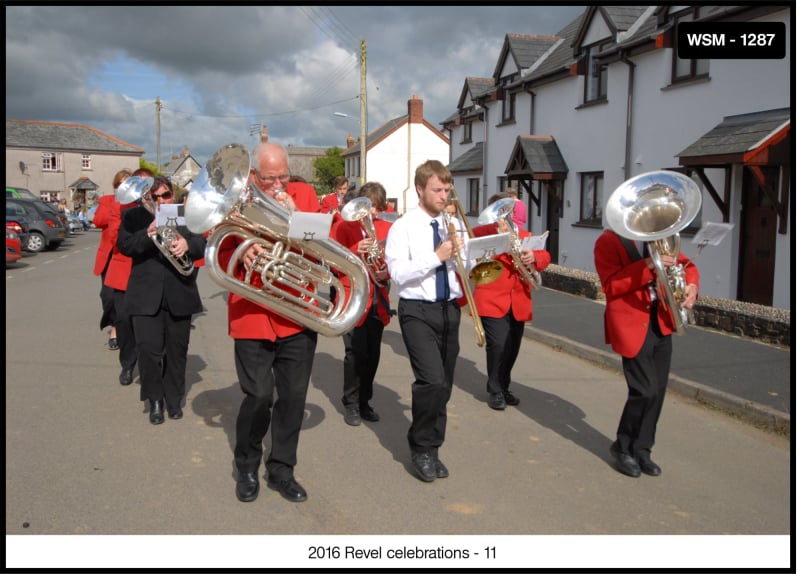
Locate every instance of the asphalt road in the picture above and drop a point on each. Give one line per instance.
(82, 459)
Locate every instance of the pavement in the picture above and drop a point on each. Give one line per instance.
(743, 376)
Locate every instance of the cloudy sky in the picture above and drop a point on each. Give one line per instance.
(219, 71)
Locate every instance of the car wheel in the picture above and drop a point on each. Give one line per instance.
(36, 242)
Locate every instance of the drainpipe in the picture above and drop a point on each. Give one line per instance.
(628, 118)
(485, 152)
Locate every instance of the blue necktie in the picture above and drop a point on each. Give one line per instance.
(442, 288)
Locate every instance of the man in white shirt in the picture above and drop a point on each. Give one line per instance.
(418, 248)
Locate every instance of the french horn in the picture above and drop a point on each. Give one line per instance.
(134, 190)
(294, 275)
(654, 207)
(503, 209)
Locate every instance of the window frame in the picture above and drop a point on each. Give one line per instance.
(590, 78)
(52, 161)
(689, 15)
(474, 195)
(86, 162)
(596, 217)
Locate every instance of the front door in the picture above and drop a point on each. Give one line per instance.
(554, 189)
(757, 248)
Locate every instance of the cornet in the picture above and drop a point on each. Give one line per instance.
(358, 209)
(134, 189)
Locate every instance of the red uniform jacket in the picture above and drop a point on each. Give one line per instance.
(624, 282)
(330, 203)
(109, 217)
(349, 234)
(508, 291)
(246, 319)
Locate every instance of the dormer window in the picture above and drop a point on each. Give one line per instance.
(596, 78)
(688, 69)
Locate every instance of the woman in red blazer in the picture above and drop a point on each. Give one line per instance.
(363, 343)
(639, 328)
(504, 305)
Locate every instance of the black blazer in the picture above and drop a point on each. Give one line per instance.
(153, 277)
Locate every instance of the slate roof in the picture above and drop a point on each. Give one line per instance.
(470, 160)
(738, 134)
(64, 137)
(541, 155)
(525, 50)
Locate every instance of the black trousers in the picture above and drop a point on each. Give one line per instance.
(126, 338)
(364, 357)
(264, 367)
(647, 375)
(503, 340)
(162, 344)
(430, 333)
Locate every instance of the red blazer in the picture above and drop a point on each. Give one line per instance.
(119, 266)
(349, 234)
(508, 291)
(624, 282)
(107, 218)
(249, 320)
(330, 203)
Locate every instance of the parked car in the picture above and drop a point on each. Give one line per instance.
(75, 224)
(19, 192)
(13, 247)
(21, 229)
(44, 224)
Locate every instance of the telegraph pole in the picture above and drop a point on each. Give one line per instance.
(158, 133)
(363, 111)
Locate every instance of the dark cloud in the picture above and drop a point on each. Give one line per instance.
(227, 68)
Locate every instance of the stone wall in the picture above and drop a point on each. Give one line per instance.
(768, 324)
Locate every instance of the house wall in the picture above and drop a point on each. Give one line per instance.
(104, 166)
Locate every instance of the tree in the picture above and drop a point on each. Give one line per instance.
(327, 168)
(143, 163)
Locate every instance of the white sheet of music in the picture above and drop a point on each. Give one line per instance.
(712, 233)
(479, 247)
(535, 242)
(170, 214)
(310, 226)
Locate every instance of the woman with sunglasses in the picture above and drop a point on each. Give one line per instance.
(160, 301)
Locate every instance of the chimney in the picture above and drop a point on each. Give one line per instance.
(415, 110)
(350, 140)
(264, 136)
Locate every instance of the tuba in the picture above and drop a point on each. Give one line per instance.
(502, 209)
(134, 189)
(358, 209)
(293, 274)
(654, 207)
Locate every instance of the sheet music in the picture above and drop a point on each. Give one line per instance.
(310, 226)
(479, 247)
(170, 214)
(712, 233)
(535, 242)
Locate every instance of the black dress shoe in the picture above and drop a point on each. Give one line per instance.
(156, 411)
(625, 463)
(175, 412)
(247, 486)
(368, 414)
(648, 466)
(424, 465)
(289, 488)
(352, 416)
(497, 401)
(510, 398)
(126, 377)
(441, 469)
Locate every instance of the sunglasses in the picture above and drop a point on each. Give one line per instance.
(165, 195)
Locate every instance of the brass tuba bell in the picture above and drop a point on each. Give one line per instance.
(654, 207)
(358, 209)
(294, 275)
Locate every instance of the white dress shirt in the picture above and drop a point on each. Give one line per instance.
(411, 259)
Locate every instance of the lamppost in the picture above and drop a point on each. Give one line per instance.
(363, 140)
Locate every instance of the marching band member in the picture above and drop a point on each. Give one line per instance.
(504, 306)
(333, 202)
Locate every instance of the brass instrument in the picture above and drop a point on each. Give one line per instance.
(358, 209)
(503, 209)
(294, 274)
(462, 271)
(654, 207)
(134, 189)
(487, 269)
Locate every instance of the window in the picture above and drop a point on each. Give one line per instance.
(466, 133)
(509, 102)
(596, 79)
(51, 161)
(86, 161)
(688, 69)
(474, 191)
(592, 198)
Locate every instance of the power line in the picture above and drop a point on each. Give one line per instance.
(264, 115)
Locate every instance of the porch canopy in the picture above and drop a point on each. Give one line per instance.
(753, 140)
(536, 158)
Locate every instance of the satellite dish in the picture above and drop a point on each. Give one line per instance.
(22, 166)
